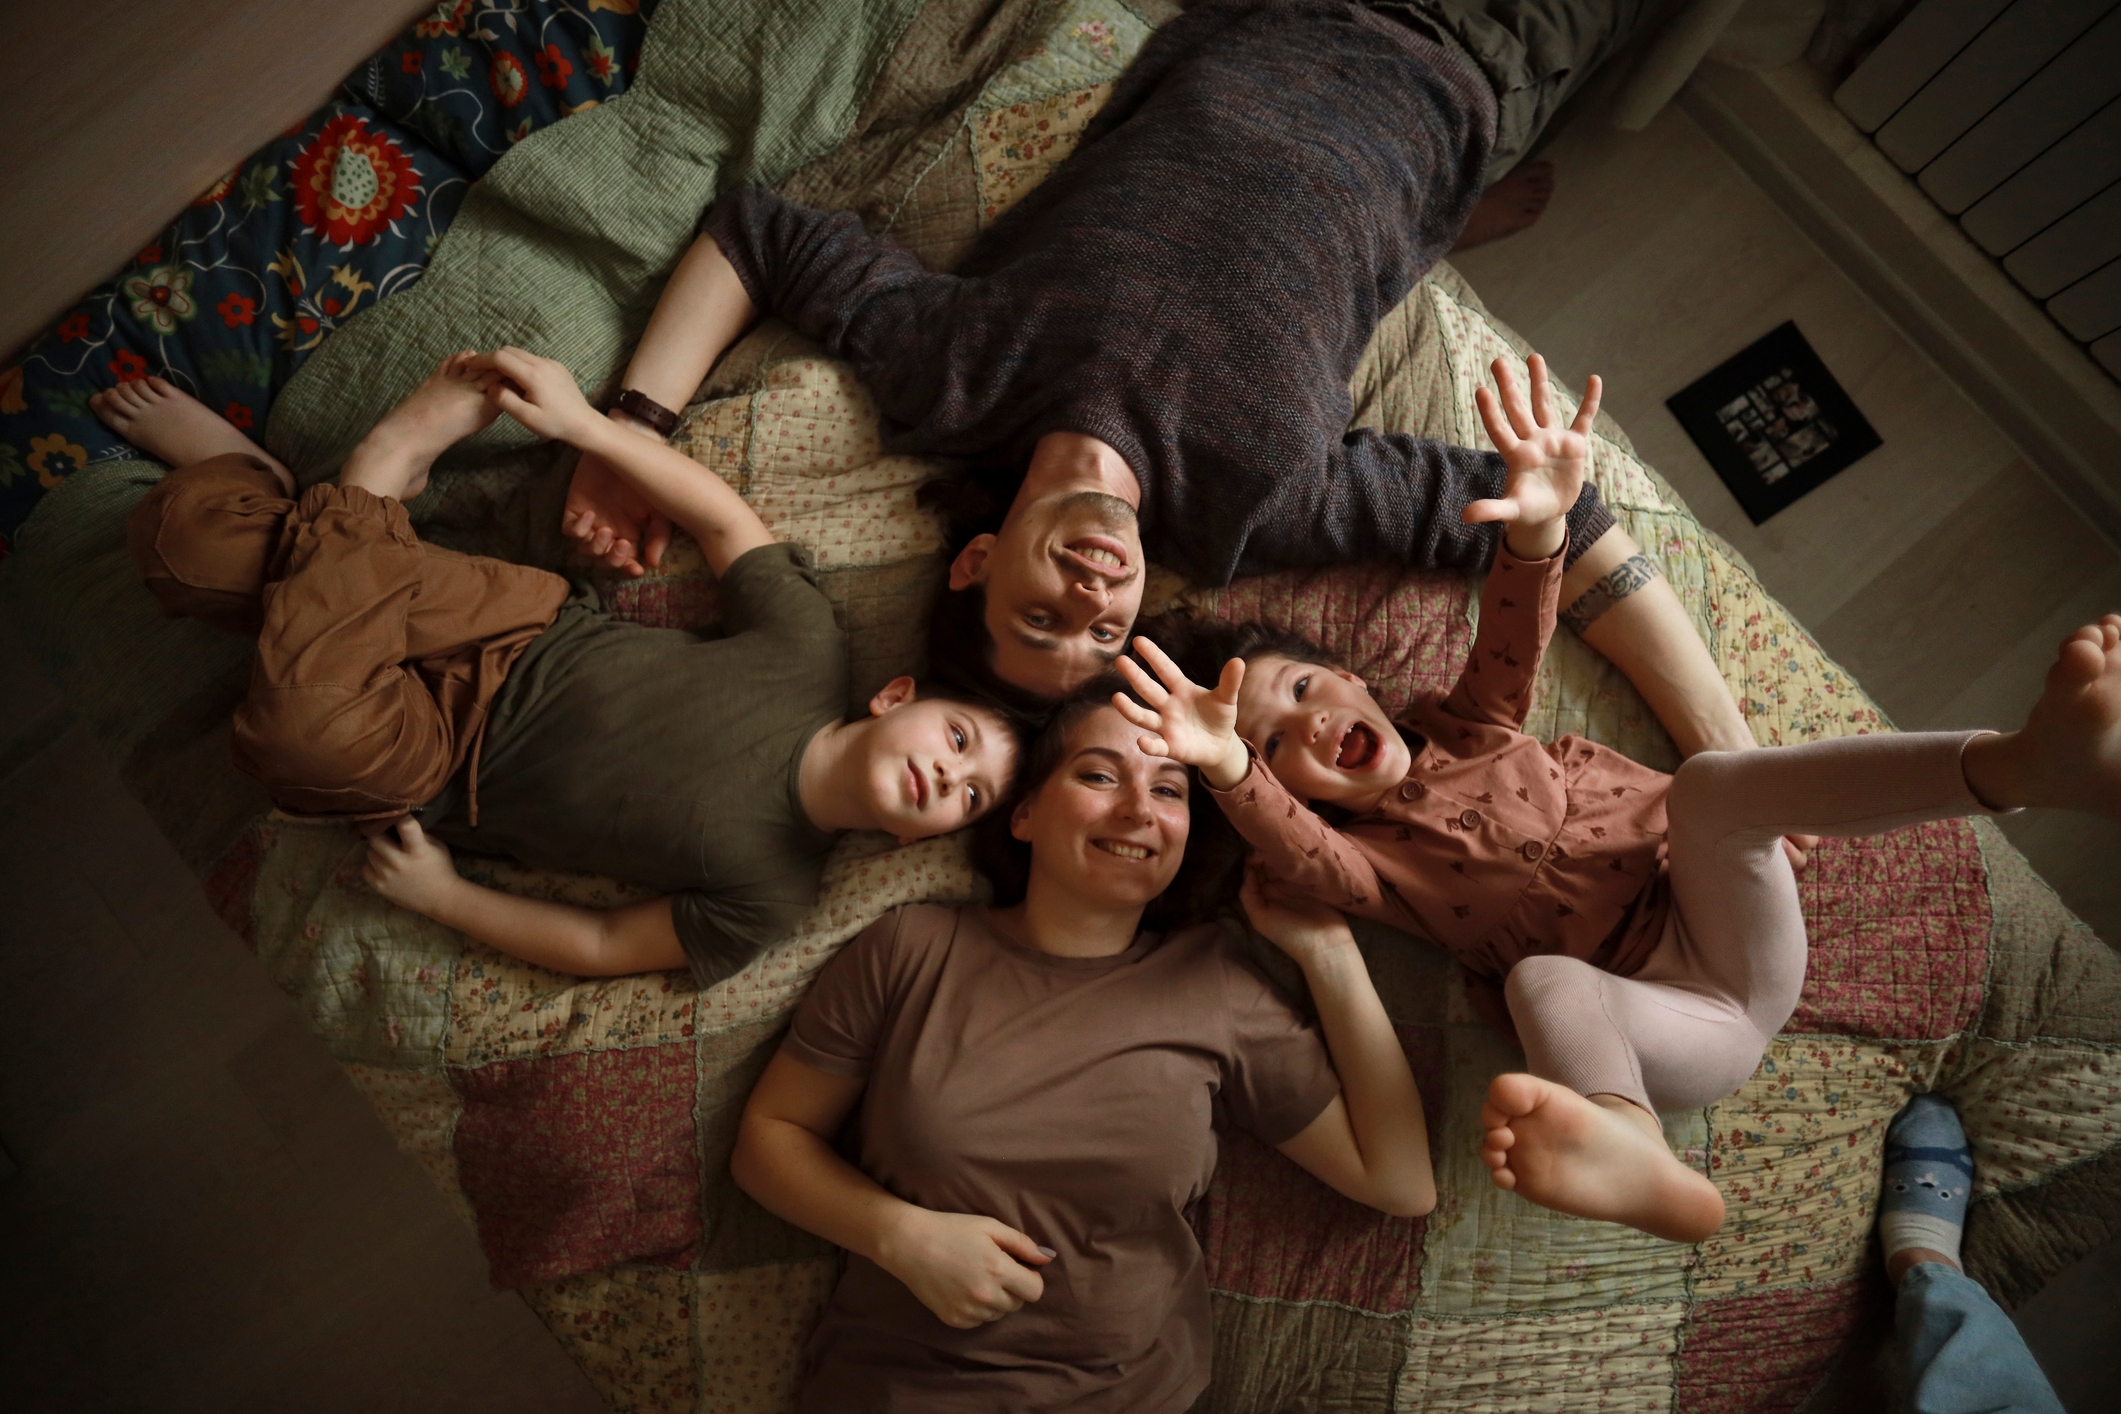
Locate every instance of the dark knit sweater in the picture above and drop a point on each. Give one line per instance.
(1194, 287)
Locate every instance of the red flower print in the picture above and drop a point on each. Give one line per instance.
(151, 253)
(218, 190)
(510, 83)
(238, 414)
(331, 305)
(553, 67)
(237, 309)
(74, 326)
(128, 366)
(410, 61)
(448, 18)
(350, 183)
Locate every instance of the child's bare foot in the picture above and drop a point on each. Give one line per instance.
(448, 406)
(1510, 205)
(172, 426)
(1600, 1158)
(2068, 753)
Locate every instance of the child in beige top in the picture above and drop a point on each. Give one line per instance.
(1644, 930)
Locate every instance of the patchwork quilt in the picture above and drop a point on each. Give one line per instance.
(584, 1127)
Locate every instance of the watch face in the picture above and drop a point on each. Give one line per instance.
(1773, 422)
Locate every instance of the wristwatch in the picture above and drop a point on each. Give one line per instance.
(635, 403)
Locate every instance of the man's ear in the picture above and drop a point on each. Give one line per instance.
(1020, 821)
(1343, 672)
(970, 566)
(895, 693)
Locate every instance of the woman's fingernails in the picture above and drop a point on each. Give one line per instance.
(1047, 1252)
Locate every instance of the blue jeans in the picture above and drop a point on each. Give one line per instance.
(1959, 1354)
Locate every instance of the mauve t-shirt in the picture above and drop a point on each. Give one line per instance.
(1076, 1100)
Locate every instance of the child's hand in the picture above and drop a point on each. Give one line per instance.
(1300, 926)
(969, 1270)
(1189, 724)
(541, 394)
(412, 871)
(1544, 462)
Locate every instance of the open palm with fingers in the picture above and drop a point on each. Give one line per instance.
(1191, 724)
(1544, 461)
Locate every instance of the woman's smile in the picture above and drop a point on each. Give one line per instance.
(1125, 850)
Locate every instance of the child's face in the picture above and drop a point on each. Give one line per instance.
(930, 765)
(1319, 730)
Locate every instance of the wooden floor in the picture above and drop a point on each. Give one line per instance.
(1941, 569)
(198, 1212)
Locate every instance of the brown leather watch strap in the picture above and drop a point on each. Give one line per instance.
(635, 403)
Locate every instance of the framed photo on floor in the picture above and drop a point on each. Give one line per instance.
(1773, 422)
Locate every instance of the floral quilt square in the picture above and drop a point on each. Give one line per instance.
(582, 1161)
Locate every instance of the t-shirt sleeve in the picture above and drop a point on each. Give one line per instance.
(1279, 1076)
(724, 930)
(773, 589)
(841, 1019)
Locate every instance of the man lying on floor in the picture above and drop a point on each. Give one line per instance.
(1155, 344)
(397, 681)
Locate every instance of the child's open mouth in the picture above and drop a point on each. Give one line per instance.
(1358, 748)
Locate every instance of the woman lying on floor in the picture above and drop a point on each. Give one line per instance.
(397, 681)
(1157, 340)
(1644, 930)
(1039, 1085)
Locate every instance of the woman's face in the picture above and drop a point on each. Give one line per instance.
(1109, 825)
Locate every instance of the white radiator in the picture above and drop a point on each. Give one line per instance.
(2008, 113)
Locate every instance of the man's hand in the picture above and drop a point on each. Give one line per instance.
(609, 519)
(1300, 926)
(413, 871)
(1544, 462)
(1184, 721)
(541, 394)
(968, 1270)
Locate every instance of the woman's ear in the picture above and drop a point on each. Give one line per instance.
(970, 566)
(895, 693)
(1343, 672)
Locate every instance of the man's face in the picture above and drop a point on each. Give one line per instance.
(931, 765)
(1064, 582)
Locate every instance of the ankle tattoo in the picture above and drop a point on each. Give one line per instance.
(1615, 585)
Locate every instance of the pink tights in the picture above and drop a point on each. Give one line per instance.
(1690, 1027)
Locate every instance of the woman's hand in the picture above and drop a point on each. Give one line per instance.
(412, 871)
(1305, 929)
(1185, 721)
(541, 394)
(968, 1270)
(1544, 463)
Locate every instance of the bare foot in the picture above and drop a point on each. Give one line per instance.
(1510, 205)
(1600, 1158)
(449, 405)
(2068, 753)
(172, 426)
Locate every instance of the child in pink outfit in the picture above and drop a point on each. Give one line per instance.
(1644, 930)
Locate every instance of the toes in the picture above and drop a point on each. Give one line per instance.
(1514, 1095)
